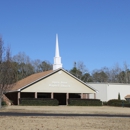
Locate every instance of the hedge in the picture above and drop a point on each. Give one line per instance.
(38, 102)
(3, 103)
(104, 103)
(116, 102)
(84, 102)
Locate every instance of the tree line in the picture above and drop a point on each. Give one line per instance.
(25, 66)
(111, 75)
(20, 66)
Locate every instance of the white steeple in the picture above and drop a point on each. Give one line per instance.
(57, 59)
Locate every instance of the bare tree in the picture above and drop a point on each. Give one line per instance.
(36, 65)
(7, 71)
(99, 76)
(81, 66)
(23, 64)
(26, 66)
(127, 73)
(21, 57)
(114, 73)
(1, 50)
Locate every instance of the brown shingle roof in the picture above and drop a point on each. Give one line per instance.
(30, 79)
(127, 96)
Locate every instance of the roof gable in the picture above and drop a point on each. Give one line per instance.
(34, 79)
(59, 81)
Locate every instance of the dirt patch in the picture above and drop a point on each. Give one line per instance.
(65, 123)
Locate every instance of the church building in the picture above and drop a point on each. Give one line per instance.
(54, 84)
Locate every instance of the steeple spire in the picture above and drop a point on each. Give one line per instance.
(57, 47)
(57, 59)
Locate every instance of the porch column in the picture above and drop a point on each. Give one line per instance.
(94, 95)
(18, 98)
(52, 95)
(81, 95)
(35, 94)
(67, 97)
(87, 95)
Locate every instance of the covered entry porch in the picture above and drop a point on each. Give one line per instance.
(61, 97)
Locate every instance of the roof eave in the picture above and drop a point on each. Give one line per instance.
(80, 80)
(51, 74)
(36, 81)
(13, 91)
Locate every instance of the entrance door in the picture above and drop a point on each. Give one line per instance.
(61, 97)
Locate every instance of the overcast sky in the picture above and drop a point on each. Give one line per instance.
(96, 32)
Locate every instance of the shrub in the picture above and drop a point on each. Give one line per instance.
(127, 105)
(104, 103)
(119, 97)
(84, 102)
(116, 102)
(3, 103)
(38, 102)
